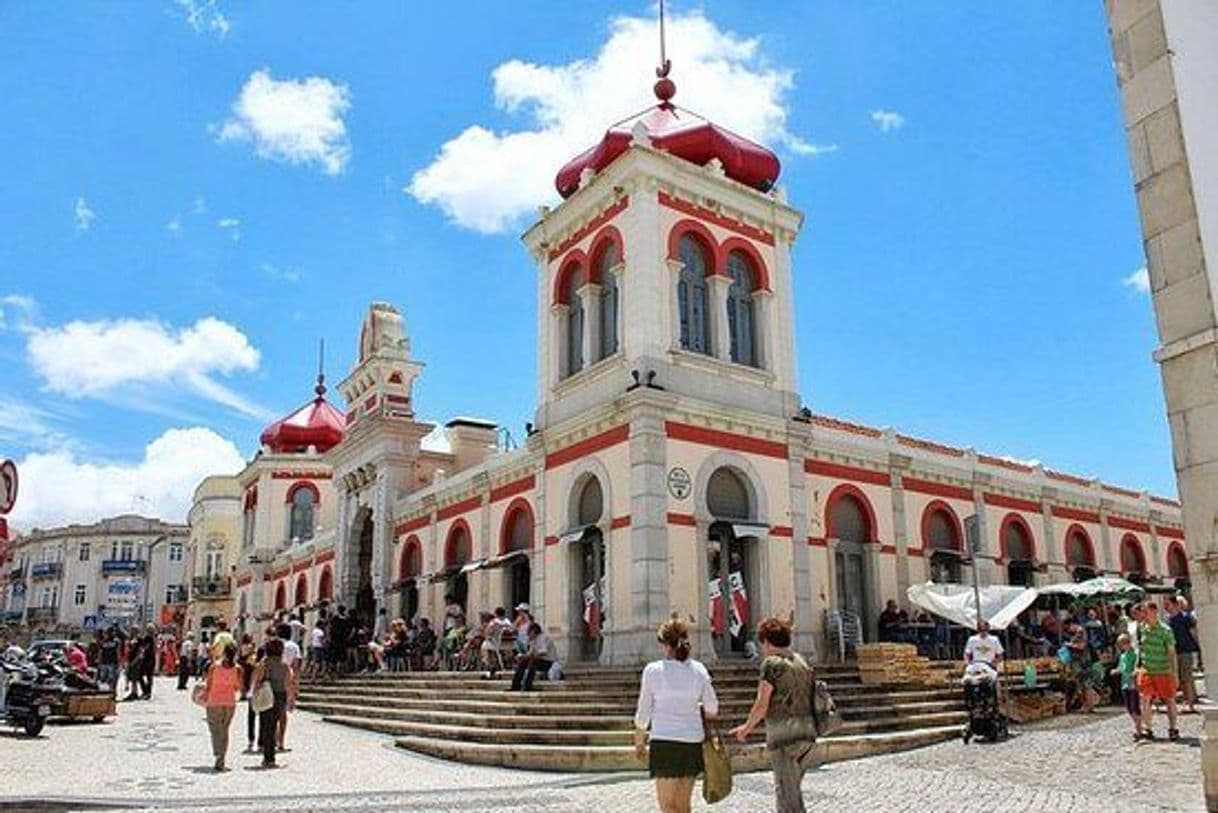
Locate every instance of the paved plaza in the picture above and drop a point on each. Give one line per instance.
(156, 755)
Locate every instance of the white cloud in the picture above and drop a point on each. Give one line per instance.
(204, 16)
(1138, 281)
(59, 487)
(296, 121)
(127, 357)
(889, 121)
(175, 225)
(275, 272)
(17, 311)
(84, 215)
(231, 225)
(487, 181)
(27, 426)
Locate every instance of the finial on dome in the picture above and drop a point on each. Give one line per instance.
(320, 389)
(664, 87)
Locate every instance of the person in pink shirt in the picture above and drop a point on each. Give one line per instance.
(77, 659)
(220, 697)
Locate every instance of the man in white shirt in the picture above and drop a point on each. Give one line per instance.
(538, 658)
(293, 661)
(983, 647)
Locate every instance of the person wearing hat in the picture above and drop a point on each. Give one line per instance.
(524, 617)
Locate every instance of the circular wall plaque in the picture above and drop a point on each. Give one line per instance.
(679, 483)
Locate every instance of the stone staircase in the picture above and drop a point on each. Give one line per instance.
(584, 722)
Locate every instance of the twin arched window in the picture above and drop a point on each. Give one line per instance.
(604, 310)
(575, 321)
(608, 260)
(692, 295)
(740, 309)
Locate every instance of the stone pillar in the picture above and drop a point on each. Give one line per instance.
(987, 558)
(897, 465)
(1165, 55)
(1047, 496)
(590, 297)
(382, 540)
(805, 612)
(648, 535)
(1106, 538)
(537, 560)
(763, 315)
(716, 312)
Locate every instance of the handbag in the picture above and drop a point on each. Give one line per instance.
(824, 710)
(263, 698)
(198, 695)
(717, 765)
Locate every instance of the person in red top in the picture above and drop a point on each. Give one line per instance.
(77, 659)
(220, 696)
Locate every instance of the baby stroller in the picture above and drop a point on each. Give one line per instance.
(985, 718)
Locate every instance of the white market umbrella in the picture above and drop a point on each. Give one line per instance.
(1000, 605)
(1099, 587)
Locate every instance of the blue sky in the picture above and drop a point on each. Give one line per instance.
(196, 192)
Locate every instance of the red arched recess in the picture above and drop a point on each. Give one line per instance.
(749, 250)
(571, 264)
(957, 528)
(411, 563)
(306, 486)
(849, 490)
(607, 236)
(1008, 521)
(1177, 561)
(1133, 558)
(251, 497)
(714, 256)
(518, 511)
(450, 544)
(302, 591)
(325, 585)
(281, 596)
(1077, 531)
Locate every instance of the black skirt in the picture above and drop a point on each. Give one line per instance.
(672, 760)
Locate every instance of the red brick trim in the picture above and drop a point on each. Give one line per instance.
(513, 488)
(592, 225)
(620, 522)
(1011, 503)
(370, 404)
(300, 475)
(458, 508)
(551, 540)
(302, 566)
(818, 541)
(676, 518)
(1128, 524)
(587, 446)
(710, 216)
(888, 550)
(854, 492)
(783, 531)
(416, 524)
(919, 552)
(934, 489)
(839, 471)
(242, 581)
(518, 506)
(726, 440)
(1170, 532)
(397, 399)
(1074, 514)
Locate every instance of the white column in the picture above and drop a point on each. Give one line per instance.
(590, 296)
(764, 330)
(716, 312)
(558, 340)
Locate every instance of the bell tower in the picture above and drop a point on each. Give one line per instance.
(667, 265)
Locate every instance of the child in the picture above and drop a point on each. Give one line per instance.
(1127, 663)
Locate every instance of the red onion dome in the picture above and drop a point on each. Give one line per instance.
(680, 133)
(317, 424)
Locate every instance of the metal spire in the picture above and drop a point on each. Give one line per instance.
(320, 389)
(664, 88)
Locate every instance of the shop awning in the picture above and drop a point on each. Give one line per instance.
(470, 567)
(1000, 605)
(754, 529)
(574, 535)
(507, 558)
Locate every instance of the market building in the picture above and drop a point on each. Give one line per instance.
(672, 465)
(121, 570)
(211, 553)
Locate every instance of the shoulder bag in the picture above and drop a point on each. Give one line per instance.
(262, 699)
(824, 710)
(717, 779)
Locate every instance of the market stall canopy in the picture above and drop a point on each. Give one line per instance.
(1109, 587)
(1000, 605)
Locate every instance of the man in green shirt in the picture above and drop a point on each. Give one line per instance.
(1158, 679)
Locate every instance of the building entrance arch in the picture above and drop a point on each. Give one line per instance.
(588, 561)
(365, 600)
(731, 559)
(850, 527)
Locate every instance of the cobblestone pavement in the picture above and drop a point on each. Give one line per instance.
(156, 755)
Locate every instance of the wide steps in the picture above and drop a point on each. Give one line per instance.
(592, 758)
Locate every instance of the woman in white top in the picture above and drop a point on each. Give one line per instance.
(672, 697)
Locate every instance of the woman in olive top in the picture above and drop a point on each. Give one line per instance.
(274, 671)
(784, 701)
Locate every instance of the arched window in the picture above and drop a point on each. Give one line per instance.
(849, 520)
(941, 531)
(281, 596)
(1177, 561)
(575, 320)
(517, 533)
(741, 309)
(606, 262)
(727, 496)
(1133, 559)
(1017, 544)
(303, 497)
(302, 591)
(247, 517)
(1078, 549)
(692, 296)
(591, 502)
(459, 548)
(325, 585)
(411, 564)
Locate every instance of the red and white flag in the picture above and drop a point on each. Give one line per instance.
(740, 601)
(718, 612)
(592, 611)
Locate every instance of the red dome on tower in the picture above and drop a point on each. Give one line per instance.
(317, 424)
(680, 133)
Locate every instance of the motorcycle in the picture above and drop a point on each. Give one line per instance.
(28, 690)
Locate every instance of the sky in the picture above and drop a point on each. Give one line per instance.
(196, 193)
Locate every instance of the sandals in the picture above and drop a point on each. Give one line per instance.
(1173, 734)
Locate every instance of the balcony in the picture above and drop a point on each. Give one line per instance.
(122, 566)
(208, 588)
(46, 570)
(41, 614)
